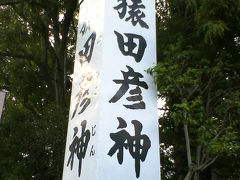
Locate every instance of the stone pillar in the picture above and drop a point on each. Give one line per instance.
(113, 122)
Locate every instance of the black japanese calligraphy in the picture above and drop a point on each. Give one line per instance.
(85, 27)
(127, 48)
(88, 47)
(121, 8)
(87, 89)
(84, 103)
(130, 78)
(83, 97)
(79, 146)
(136, 96)
(135, 12)
(94, 130)
(92, 152)
(138, 144)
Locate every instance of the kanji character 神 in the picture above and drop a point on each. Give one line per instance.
(138, 144)
(79, 146)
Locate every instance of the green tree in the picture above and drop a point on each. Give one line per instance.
(198, 76)
(40, 31)
(37, 44)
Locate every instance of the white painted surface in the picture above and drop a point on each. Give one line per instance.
(106, 65)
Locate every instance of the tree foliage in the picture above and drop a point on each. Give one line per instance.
(37, 43)
(198, 76)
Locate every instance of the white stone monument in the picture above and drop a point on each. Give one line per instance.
(113, 122)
